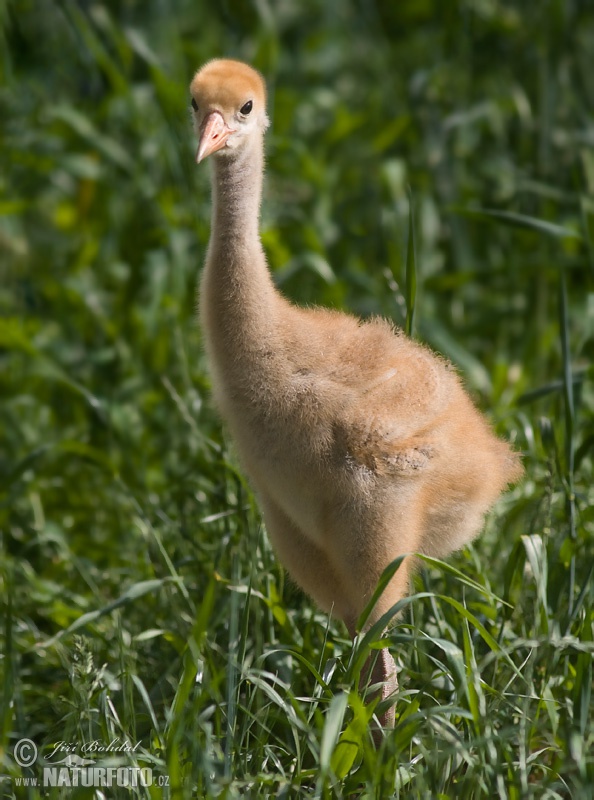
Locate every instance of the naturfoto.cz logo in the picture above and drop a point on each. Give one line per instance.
(74, 769)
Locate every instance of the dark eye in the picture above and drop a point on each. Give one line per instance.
(194, 105)
(245, 109)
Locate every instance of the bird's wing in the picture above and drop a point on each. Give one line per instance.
(396, 400)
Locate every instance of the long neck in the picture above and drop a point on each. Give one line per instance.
(236, 195)
(238, 302)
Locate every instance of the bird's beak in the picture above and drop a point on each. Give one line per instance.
(213, 136)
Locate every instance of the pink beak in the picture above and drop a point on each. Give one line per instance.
(215, 133)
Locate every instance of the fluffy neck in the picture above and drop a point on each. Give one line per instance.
(236, 194)
(238, 300)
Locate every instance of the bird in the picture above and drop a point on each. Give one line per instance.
(361, 444)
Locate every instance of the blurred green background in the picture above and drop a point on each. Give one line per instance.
(115, 475)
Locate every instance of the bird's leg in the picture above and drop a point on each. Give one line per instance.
(380, 671)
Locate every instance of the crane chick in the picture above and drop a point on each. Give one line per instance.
(361, 444)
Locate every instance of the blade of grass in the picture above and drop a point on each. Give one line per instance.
(330, 733)
(191, 661)
(569, 409)
(232, 669)
(520, 221)
(134, 592)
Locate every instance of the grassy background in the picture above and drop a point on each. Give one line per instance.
(140, 598)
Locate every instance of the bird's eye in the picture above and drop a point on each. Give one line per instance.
(246, 108)
(194, 105)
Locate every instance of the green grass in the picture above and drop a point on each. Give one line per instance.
(140, 597)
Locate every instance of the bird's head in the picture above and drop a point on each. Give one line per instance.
(228, 106)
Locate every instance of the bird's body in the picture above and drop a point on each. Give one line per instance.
(360, 443)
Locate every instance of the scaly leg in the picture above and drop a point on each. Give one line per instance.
(380, 668)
